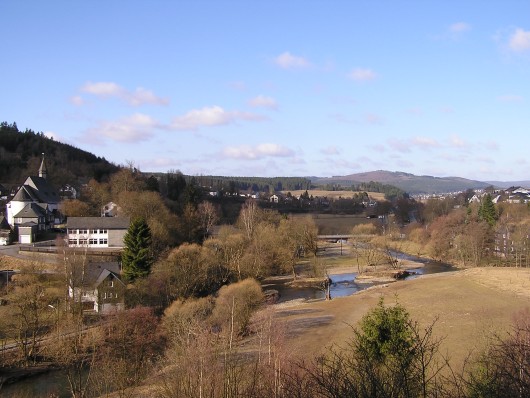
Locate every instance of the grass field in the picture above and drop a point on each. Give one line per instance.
(336, 194)
(469, 307)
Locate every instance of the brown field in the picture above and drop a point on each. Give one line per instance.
(336, 194)
(470, 307)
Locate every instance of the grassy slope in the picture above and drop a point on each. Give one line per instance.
(470, 305)
(336, 194)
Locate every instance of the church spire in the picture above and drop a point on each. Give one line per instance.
(43, 171)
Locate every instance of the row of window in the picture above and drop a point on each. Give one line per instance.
(106, 295)
(86, 231)
(92, 241)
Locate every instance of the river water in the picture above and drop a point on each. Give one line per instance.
(346, 284)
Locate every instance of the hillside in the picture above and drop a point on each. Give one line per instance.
(21, 154)
(408, 182)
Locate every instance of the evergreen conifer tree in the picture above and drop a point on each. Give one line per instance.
(487, 211)
(136, 257)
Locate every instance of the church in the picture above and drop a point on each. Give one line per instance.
(34, 208)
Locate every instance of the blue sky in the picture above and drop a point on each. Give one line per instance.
(276, 88)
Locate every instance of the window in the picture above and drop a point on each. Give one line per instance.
(102, 231)
(103, 241)
(72, 241)
(111, 283)
(83, 241)
(83, 231)
(93, 241)
(93, 231)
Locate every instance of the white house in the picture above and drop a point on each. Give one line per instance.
(96, 232)
(35, 207)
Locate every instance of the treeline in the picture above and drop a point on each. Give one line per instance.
(475, 233)
(254, 184)
(391, 192)
(21, 154)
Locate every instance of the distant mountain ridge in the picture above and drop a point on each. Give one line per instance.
(410, 183)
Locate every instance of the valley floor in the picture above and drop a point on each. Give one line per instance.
(470, 306)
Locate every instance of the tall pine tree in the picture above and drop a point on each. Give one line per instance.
(487, 211)
(136, 257)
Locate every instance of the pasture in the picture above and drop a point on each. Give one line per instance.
(336, 194)
(469, 307)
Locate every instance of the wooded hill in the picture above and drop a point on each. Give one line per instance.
(21, 154)
(410, 183)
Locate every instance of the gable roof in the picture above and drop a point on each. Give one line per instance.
(98, 272)
(25, 194)
(98, 222)
(44, 190)
(104, 274)
(31, 210)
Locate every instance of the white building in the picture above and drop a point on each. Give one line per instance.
(35, 207)
(96, 232)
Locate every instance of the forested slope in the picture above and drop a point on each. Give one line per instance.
(21, 154)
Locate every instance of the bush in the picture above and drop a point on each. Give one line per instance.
(388, 357)
(235, 304)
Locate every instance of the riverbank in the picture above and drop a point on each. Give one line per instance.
(468, 307)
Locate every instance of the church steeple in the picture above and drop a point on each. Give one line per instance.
(43, 171)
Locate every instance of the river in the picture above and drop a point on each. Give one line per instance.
(345, 284)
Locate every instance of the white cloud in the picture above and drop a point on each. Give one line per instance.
(408, 144)
(56, 137)
(330, 150)
(519, 41)
(425, 142)
(259, 151)
(160, 163)
(77, 100)
(456, 142)
(139, 96)
(400, 145)
(262, 101)
(510, 98)
(134, 128)
(210, 116)
(288, 61)
(362, 74)
(491, 145)
(459, 27)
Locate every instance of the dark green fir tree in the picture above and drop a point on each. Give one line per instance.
(136, 257)
(487, 211)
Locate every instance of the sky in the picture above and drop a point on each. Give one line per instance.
(276, 88)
